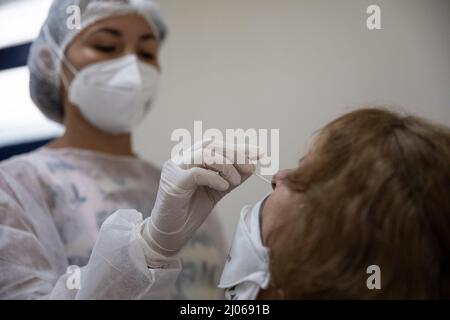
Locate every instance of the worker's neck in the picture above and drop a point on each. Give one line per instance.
(80, 134)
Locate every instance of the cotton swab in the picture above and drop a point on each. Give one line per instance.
(263, 178)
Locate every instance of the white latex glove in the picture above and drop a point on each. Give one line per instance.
(188, 192)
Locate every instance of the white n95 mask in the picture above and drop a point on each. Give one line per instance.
(114, 95)
(246, 271)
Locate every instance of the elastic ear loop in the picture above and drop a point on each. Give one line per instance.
(60, 55)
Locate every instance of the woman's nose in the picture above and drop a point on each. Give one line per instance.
(280, 176)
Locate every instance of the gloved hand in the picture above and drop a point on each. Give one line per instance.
(189, 190)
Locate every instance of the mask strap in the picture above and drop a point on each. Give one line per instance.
(60, 55)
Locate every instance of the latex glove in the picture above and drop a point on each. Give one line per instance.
(188, 192)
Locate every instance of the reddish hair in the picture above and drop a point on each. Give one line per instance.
(377, 192)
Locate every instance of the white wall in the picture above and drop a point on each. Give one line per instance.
(294, 65)
(20, 120)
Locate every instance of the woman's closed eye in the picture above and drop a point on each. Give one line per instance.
(147, 55)
(105, 48)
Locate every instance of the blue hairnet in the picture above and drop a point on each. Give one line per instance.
(48, 49)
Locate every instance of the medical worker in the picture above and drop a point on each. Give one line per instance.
(100, 81)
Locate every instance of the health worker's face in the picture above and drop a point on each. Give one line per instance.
(113, 38)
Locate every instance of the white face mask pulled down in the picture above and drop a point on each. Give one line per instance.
(114, 95)
(246, 271)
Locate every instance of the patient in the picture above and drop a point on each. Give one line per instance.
(374, 189)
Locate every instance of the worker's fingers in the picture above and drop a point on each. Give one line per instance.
(193, 156)
(248, 151)
(220, 157)
(213, 157)
(224, 168)
(243, 156)
(245, 169)
(237, 153)
(209, 178)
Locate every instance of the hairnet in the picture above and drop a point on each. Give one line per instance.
(48, 49)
